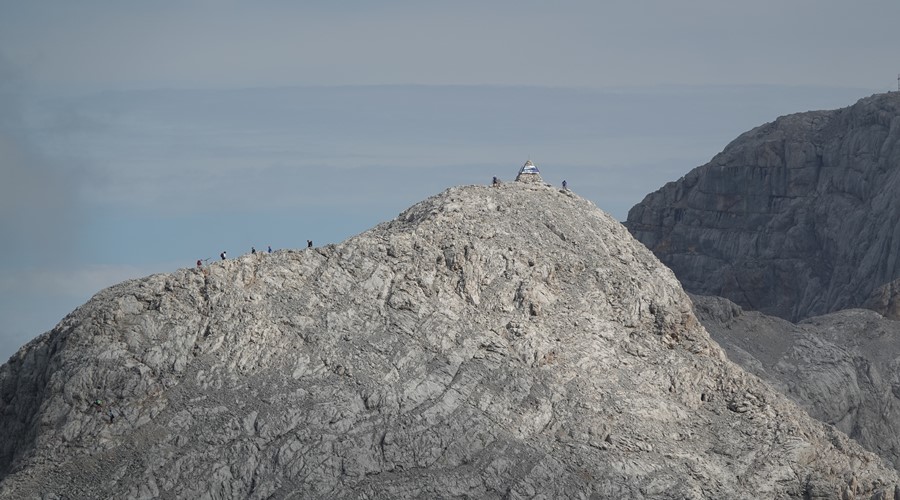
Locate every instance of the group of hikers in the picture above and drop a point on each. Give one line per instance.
(497, 182)
(224, 254)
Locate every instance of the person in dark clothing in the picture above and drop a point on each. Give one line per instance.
(495, 182)
(224, 255)
(199, 263)
(308, 243)
(565, 185)
(253, 250)
(270, 248)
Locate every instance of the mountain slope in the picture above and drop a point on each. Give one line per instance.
(490, 342)
(843, 368)
(795, 218)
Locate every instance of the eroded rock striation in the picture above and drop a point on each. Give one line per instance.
(843, 368)
(490, 342)
(795, 218)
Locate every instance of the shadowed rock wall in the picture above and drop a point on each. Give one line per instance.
(795, 218)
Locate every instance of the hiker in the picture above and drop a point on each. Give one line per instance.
(565, 185)
(199, 263)
(270, 248)
(253, 250)
(112, 416)
(224, 255)
(495, 182)
(308, 243)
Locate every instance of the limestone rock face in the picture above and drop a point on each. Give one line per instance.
(843, 368)
(795, 218)
(490, 342)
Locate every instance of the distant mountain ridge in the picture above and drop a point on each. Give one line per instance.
(795, 218)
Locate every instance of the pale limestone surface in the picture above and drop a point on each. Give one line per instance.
(490, 342)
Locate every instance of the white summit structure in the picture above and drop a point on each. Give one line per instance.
(529, 173)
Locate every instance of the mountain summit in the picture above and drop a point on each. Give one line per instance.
(490, 342)
(795, 218)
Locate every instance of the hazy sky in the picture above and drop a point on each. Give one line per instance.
(137, 137)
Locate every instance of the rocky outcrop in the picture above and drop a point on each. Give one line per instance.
(843, 368)
(491, 342)
(795, 218)
(885, 300)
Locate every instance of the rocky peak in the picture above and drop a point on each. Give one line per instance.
(504, 341)
(795, 218)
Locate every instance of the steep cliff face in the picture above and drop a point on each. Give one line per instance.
(885, 300)
(843, 368)
(795, 218)
(491, 342)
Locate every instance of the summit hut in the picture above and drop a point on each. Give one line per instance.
(529, 173)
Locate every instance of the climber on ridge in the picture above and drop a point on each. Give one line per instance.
(253, 250)
(308, 243)
(224, 255)
(496, 181)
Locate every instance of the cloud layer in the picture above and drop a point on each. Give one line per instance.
(571, 43)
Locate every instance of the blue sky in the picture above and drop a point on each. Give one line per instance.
(138, 137)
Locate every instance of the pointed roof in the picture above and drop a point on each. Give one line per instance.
(529, 168)
(529, 173)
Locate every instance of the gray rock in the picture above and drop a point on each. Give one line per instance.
(795, 218)
(885, 300)
(843, 368)
(490, 342)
